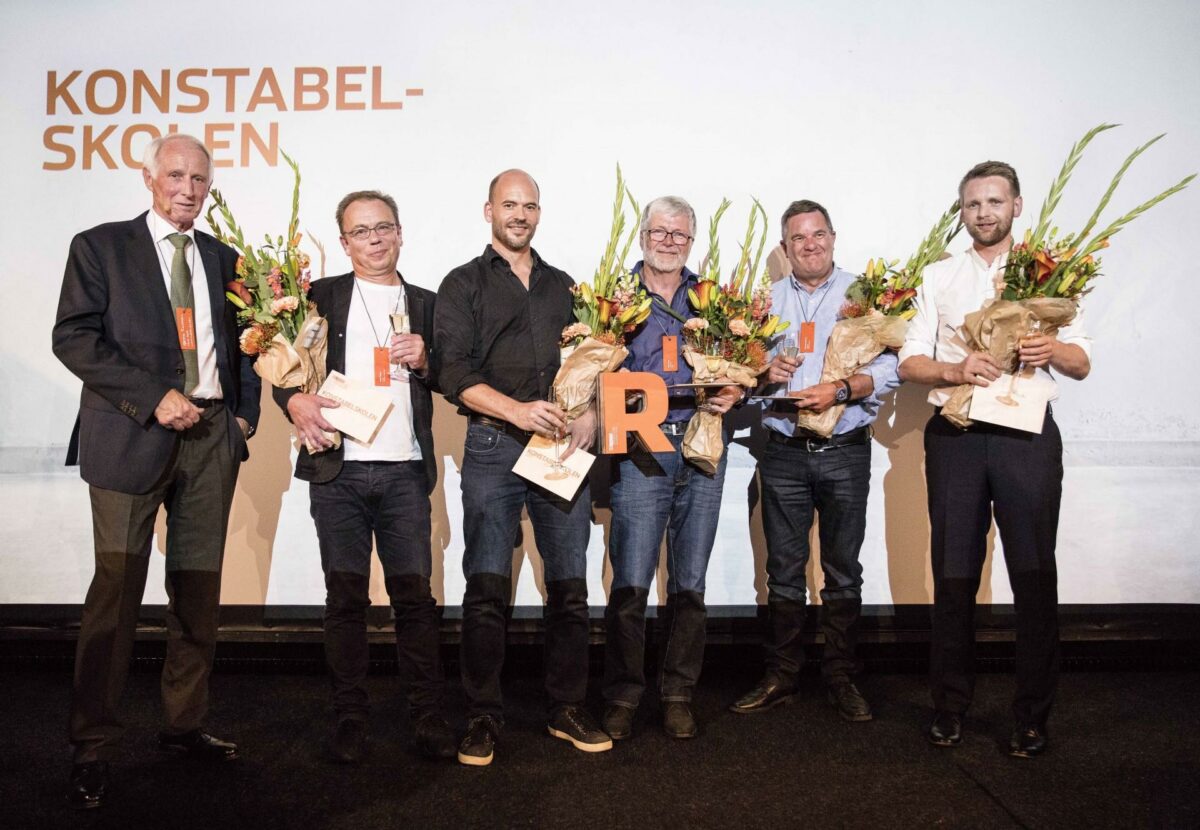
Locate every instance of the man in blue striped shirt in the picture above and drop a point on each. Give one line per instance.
(801, 473)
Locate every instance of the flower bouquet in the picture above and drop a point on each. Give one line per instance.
(1046, 275)
(612, 305)
(726, 340)
(875, 316)
(281, 329)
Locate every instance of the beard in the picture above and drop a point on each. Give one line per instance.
(665, 262)
(511, 234)
(993, 234)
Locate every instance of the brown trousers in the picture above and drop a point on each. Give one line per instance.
(196, 490)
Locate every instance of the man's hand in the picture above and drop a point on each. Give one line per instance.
(721, 402)
(408, 349)
(979, 369)
(781, 369)
(176, 412)
(817, 398)
(244, 426)
(541, 417)
(1037, 350)
(311, 426)
(581, 432)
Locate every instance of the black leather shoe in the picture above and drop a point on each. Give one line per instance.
(946, 729)
(577, 725)
(849, 702)
(434, 737)
(678, 720)
(89, 785)
(766, 695)
(477, 746)
(1027, 742)
(617, 721)
(349, 741)
(199, 745)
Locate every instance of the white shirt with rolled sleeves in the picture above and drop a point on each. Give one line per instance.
(951, 289)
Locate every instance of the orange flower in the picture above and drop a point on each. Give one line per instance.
(604, 306)
(1044, 265)
(238, 287)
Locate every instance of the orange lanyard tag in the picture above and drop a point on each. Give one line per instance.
(808, 337)
(383, 367)
(670, 350)
(185, 325)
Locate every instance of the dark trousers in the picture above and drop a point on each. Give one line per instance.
(1018, 475)
(796, 484)
(493, 498)
(388, 501)
(196, 489)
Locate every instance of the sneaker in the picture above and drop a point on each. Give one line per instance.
(678, 720)
(433, 735)
(575, 724)
(617, 721)
(477, 746)
(349, 741)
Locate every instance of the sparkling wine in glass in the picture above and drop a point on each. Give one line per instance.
(559, 470)
(401, 325)
(1009, 398)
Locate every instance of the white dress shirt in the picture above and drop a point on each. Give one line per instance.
(951, 289)
(208, 384)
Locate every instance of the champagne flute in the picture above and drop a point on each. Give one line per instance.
(790, 348)
(1009, 398)
(558, 471)
(401, 325)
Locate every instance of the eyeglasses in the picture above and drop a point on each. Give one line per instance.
(381, 230)
(660, 234)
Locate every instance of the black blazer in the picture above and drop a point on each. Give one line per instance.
(115, 330)
(333, 296)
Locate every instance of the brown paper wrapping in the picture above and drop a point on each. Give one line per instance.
(289, 366)
(704, 440)
(575, 382)
(853, 344)
(997, 329)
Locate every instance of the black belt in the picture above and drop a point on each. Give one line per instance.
(676, 428)
(522, 435)
(812, 443)
(205, 403)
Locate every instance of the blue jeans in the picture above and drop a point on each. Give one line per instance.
(493, 497)
(796, 483)
(653, 494)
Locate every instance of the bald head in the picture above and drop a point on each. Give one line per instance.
(505, 177)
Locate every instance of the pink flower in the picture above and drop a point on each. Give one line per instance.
(696, 324)
(739, 328)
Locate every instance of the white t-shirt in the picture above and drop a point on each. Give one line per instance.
(369, 325)
(950, 290)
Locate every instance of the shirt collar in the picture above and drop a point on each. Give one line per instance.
(160, 228)
(490, 255)
(690, 277)
(796, 284)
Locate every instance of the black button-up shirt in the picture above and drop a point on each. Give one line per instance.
(487, 328)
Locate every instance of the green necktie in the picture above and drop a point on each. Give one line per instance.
(181, 297)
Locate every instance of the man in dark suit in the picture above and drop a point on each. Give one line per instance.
(357, 490)
(167, 405)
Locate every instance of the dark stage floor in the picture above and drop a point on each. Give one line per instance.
(1125, 753)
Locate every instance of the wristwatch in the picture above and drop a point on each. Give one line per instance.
(843, 393)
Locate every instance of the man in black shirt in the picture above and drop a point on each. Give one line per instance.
(497, 326)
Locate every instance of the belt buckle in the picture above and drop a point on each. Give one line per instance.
(808, 445)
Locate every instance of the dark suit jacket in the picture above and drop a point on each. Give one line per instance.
(115, 330)
(333, 296)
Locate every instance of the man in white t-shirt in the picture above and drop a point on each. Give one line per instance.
(974, 472)
(381, 489)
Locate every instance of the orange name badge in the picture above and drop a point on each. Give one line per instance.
(808, 338)
(383, 366)
(670, 350)
(185, 325)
